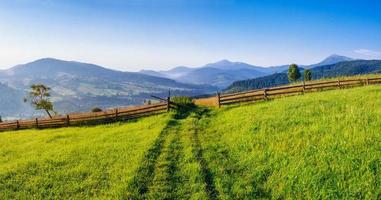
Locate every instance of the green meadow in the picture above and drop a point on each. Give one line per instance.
(324, 145)
(64, 163)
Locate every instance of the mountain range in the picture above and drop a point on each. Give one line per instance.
(80, 86)
(223, 73)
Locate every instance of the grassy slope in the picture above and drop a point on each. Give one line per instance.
(74, 162)
(319, 146)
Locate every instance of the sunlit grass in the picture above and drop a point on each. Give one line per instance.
(85, 162)
(317, 146)
(323, 145)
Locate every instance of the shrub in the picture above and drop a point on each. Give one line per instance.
(182, 100)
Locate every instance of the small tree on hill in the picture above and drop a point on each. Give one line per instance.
(307, 75)
(39, 97)
(293, 73)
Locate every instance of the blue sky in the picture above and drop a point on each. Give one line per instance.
(159, 34)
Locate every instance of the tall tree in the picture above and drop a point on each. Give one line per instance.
(307, 75)
(293, 73)
(39, 97)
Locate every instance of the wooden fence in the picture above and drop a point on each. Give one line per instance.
(276, 92)
(89, 118)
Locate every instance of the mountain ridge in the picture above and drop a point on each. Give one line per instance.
(225, 72)
(78, 86)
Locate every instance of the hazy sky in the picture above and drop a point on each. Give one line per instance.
(158, 34)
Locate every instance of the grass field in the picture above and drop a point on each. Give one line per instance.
(318, 146)
(92, 162)
(324, 145)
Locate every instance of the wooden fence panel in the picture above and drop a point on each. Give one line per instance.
(261, 94)
(87, 118)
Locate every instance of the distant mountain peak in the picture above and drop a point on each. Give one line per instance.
(334, 58)
(56, 60)
(45, 60)
(229, 65)
(52, 65)
(223, 61)
(335, 55)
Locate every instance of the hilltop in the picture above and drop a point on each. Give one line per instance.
(318, 145)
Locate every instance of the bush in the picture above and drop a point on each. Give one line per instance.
(96, 109)
(184, 105)
(182, 100)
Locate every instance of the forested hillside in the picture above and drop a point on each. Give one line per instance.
(348, 68)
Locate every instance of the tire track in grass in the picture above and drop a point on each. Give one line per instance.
(144, 175)
(156, 177)
(230, 173)
(167, 180)
(198, 153)
(174, 155)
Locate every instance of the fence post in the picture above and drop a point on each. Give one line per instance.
(168, 104)
(304, 86)
(36, 122)
(67, 120)
(219, 100)
(265, 94)
(116, 113)
(18, 124)
(1, 119)
(367, 81)
(338, 84)
(169, 101)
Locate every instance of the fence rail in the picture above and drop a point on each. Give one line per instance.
(276, 92)
(76, 119)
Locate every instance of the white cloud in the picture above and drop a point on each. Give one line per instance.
(368, 53)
